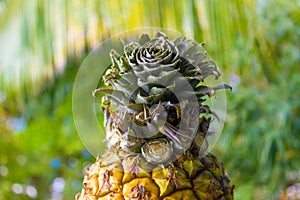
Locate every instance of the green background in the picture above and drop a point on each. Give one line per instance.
(255, 44)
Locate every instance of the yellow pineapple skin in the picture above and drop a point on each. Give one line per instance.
(189, 177)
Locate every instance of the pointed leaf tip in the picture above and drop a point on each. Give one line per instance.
(124, 43)
(94, 92)
(144, 38)
(106, 90)
(223, 86)
(160, 34)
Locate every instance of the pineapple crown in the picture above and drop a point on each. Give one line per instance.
(156, 97)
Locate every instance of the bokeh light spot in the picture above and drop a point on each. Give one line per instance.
(17, 188)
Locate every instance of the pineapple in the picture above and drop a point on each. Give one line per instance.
(156, 124)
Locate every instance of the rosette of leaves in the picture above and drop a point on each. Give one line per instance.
(145, 79)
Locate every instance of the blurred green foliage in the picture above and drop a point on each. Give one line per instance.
(254, 43)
